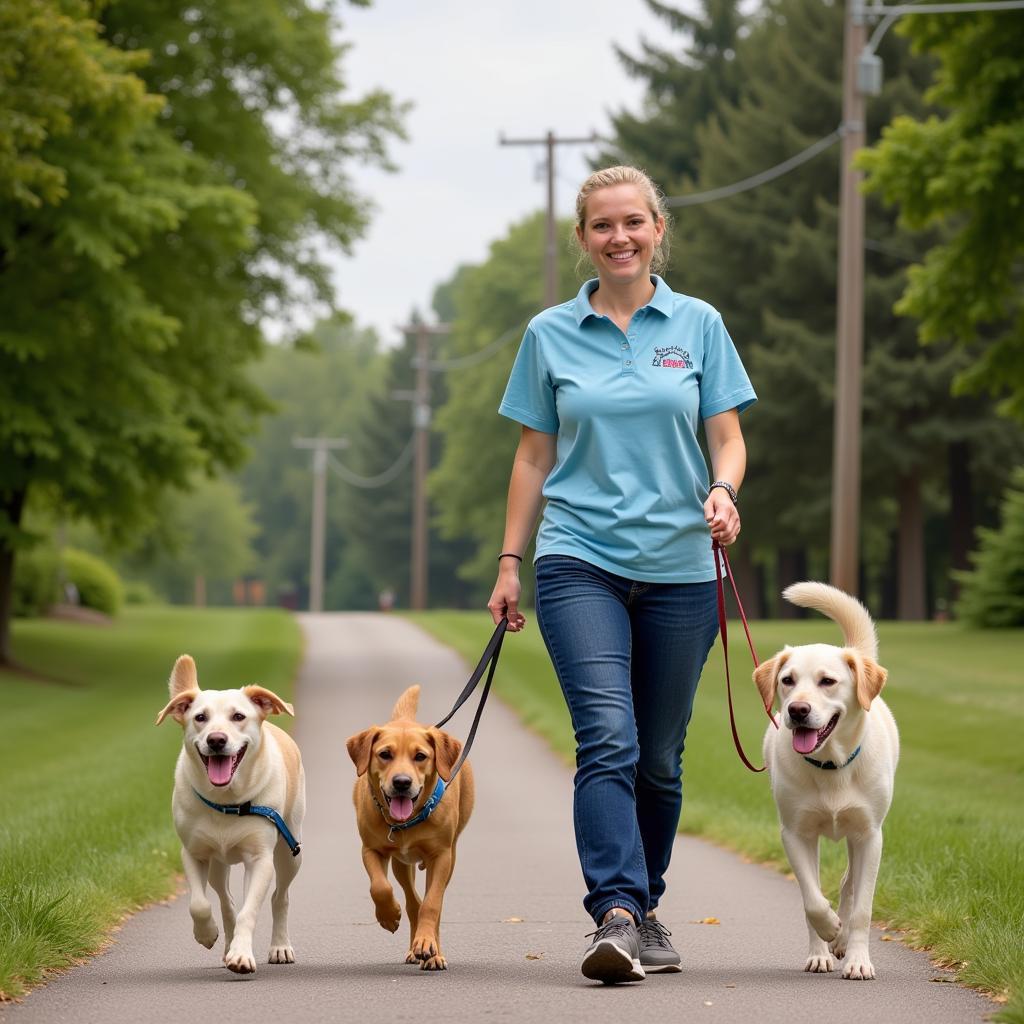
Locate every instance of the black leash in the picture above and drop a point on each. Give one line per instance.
(489, 658)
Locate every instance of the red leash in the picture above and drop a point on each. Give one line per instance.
(719, 552)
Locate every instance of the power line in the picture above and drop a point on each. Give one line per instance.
(695, 198)
(381, 479)
(463, 362)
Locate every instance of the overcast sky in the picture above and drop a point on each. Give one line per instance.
(475, 69)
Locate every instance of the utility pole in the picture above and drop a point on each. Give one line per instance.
(320, 446)
(420, 397)
(551, 234)
(845, 538)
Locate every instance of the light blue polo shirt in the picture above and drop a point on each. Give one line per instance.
(629, 482)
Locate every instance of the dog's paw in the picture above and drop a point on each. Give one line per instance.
(825, 922)
(205, 931)
(240, 961)
(425, 947)
(858, 966)
(434, 963)
(411, 958)
(820, 963)
(838, 945)
(389, 914)
(281, 955)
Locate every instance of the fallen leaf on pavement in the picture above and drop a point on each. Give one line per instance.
(534, 956)
(511, 920)
(708, 920)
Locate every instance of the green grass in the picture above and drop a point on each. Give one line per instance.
(952, 873)
(85, 823)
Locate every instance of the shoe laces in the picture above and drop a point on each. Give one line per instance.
(616, 926)
(652, 931)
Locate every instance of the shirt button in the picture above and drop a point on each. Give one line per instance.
(625, 344)
(629, 362)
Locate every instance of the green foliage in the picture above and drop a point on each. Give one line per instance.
(97, 584)
(993, 593)
(963, 170)
(964, 901)
(35, 582)
(139, 592)
(492, 301)
(68, 877)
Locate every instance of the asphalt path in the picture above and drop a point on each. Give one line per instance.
(513, 924)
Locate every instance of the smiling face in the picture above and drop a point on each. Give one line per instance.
(620, 232)
(403, 759)
(818, 687)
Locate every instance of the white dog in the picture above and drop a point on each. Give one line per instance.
(239, 797)
(832, 769)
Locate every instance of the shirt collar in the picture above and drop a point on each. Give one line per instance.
(661, 300)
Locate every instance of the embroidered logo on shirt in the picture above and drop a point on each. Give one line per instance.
(673, 357)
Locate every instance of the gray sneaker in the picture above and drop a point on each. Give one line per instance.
(656, 953)
(614, 955)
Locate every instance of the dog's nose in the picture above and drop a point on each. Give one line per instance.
(217, 740)
(799, 710)
(401, 783)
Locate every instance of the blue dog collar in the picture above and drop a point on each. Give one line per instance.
(831, 766)
(265, 812)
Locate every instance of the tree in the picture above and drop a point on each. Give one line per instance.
(145, 232)
(684, 89)
(963, 171)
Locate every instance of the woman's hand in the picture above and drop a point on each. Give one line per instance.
(504, 600)
(722, 517)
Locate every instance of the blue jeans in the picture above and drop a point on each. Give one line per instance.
(628, 656)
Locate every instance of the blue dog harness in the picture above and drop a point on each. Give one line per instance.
(265, 812)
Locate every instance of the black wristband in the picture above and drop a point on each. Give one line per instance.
(728, 488)
(510, 554)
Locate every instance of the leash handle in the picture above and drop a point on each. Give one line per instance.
(723, 628)
(488, 661)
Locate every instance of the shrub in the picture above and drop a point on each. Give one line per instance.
(35, 582)
(140, 592)
(993, 592)
(98, 585)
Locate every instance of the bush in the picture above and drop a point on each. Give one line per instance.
(98, 586)
(993, 592)
(35, 582)
(140, 592)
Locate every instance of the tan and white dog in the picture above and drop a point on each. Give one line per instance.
(231, 756)
(832, 768)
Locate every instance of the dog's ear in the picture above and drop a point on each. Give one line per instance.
(446, 752)
(766, 677)
(869, 677)
(178, 707)
(183, 676)
(360, 747)
(267, 701)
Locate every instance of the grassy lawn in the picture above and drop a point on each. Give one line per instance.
(953, 869)
(85, 824)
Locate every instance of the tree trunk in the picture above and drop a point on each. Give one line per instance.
(199, 591)
(961, 512)
(11, 506)
(790, 567)
(911, 541)
(749, 580)
(890, 580)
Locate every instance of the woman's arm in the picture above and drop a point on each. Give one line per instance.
(728, 463)
(534, 458)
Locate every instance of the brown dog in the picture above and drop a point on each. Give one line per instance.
(398, 767)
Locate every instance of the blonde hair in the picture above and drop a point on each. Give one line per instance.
(623, 174)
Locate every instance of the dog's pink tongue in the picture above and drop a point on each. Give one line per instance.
(218, 768)
(400, 807)
(804, 740)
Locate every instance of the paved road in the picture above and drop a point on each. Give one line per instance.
(516, 860)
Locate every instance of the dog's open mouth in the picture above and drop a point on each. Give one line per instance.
(400, 805)
(806, 741)
(220, 768)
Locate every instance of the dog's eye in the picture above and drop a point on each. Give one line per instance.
(201, 717)
(827, 681)
(384, 755)
(786, 680)
(238, 717)
(420, 756)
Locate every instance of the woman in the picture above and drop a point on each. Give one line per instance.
(610, 389)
